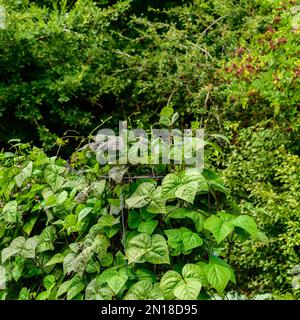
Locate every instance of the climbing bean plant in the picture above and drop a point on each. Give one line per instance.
(79, 230)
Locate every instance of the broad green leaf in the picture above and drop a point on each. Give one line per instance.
(247, 223)
(43, 295)
(97, 291)
(107, 260)
(218, 275)
(46, 239)
(20, 246)
(107, 220)
(62, 197)
(184, 213)
(170, 184)
(188, 289)
(142, 196)
(10, 212)
(134, 219)
(28, 226)
(187, 192)
(183, 240)
(168, 283)
(117, 173)
(143, 290)
(117, 282)
(145, 248)
(53, 176)
(219, 228)
(83, 213)
(24, 294)
(15, 247)
(145, 274)
(57, 258)
(24, 174)
(191, 240)
(159, 252)
(196, 272)
(97, 188)
(195, 175)
(74, 290)
(148, 226)
(157, 203)
(63, 288)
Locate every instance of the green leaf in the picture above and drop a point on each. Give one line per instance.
(219, 228)
(106, 260)
(196, 272)
(24, 174)
(134, 219)
(170, 184)
(46, 239)
(83, 213)
(183, 240)
(3, 278)
(188, 289)
(218, 275)
(169, 282)
(184, 213)
(187, 192)
(107, 220)
(144, 290)
(28, 226)
(10, 212)
(97, 188)
(148, 226)
(159, 252)
(96, 291)
(157, 203)
(167, 112)
(195, 175)
(145, 248)
(142, 196)
(57, 258)
(117, 282)
(25, 248)
(49, 282)
(247, 223)
(117, 173)
(62, 197)
(24, 294)
(191, 240)
(63, 288)
(74, 290)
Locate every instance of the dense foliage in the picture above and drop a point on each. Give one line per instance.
(65, 234)
(230, 67)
